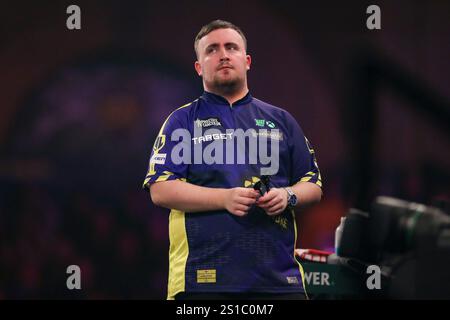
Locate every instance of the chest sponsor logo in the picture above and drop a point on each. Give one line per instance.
(214, 136)
(277, 135)
(263, 123)
(270, 124)
(210, 122)
(260, 122)
(232, 147)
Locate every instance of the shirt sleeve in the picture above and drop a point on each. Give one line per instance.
(304, 167)
(161, 165)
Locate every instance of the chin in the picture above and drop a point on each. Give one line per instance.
(226, 82)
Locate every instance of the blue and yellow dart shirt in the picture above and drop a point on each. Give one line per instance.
(216, 251)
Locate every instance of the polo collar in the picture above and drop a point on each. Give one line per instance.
(216, 99)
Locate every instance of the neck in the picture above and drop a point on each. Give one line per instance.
(232, 95)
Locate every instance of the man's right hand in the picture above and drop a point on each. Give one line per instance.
(239, 200)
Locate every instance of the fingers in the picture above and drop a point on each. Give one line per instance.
(271, 203)
(267, 197)
(246, 196)
(240, 213)
(275, 197)
(240, 200)
(246, 201)
(240, 210)
(274, 202)
(248, 193)
(242, 207)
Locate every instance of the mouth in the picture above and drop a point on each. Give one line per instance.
(225, 67)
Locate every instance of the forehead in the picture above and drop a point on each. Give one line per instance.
(221, 36)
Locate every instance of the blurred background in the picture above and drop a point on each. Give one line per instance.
(80, 111)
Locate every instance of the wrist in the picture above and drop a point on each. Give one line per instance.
(292, 199)
(222, 199)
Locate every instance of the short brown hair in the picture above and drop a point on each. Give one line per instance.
(214, 25)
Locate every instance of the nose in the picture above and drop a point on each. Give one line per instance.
(224, 54)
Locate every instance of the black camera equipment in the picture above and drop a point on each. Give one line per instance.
(410, 243)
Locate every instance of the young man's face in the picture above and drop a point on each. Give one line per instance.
(222, 60)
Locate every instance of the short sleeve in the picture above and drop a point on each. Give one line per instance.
(304, 167)
(161, 165)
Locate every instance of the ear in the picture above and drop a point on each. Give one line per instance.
(248, 61)
(198, 68)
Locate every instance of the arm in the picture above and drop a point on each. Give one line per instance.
(307, 194)
(184, 196)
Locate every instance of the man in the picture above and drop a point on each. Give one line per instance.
(227, 240)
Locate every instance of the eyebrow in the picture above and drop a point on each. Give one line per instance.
(215, 45)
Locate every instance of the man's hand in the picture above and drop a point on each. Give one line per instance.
(274, 202)
(239, 200)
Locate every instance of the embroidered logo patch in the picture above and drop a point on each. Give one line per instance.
(270, 124)
(292, 280)
(262, 123)
(206, 276)
(158, 158)
(210, 122)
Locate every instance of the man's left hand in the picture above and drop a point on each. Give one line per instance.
(273, 202)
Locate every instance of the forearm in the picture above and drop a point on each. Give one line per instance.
(307, 193)
(187, 197)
